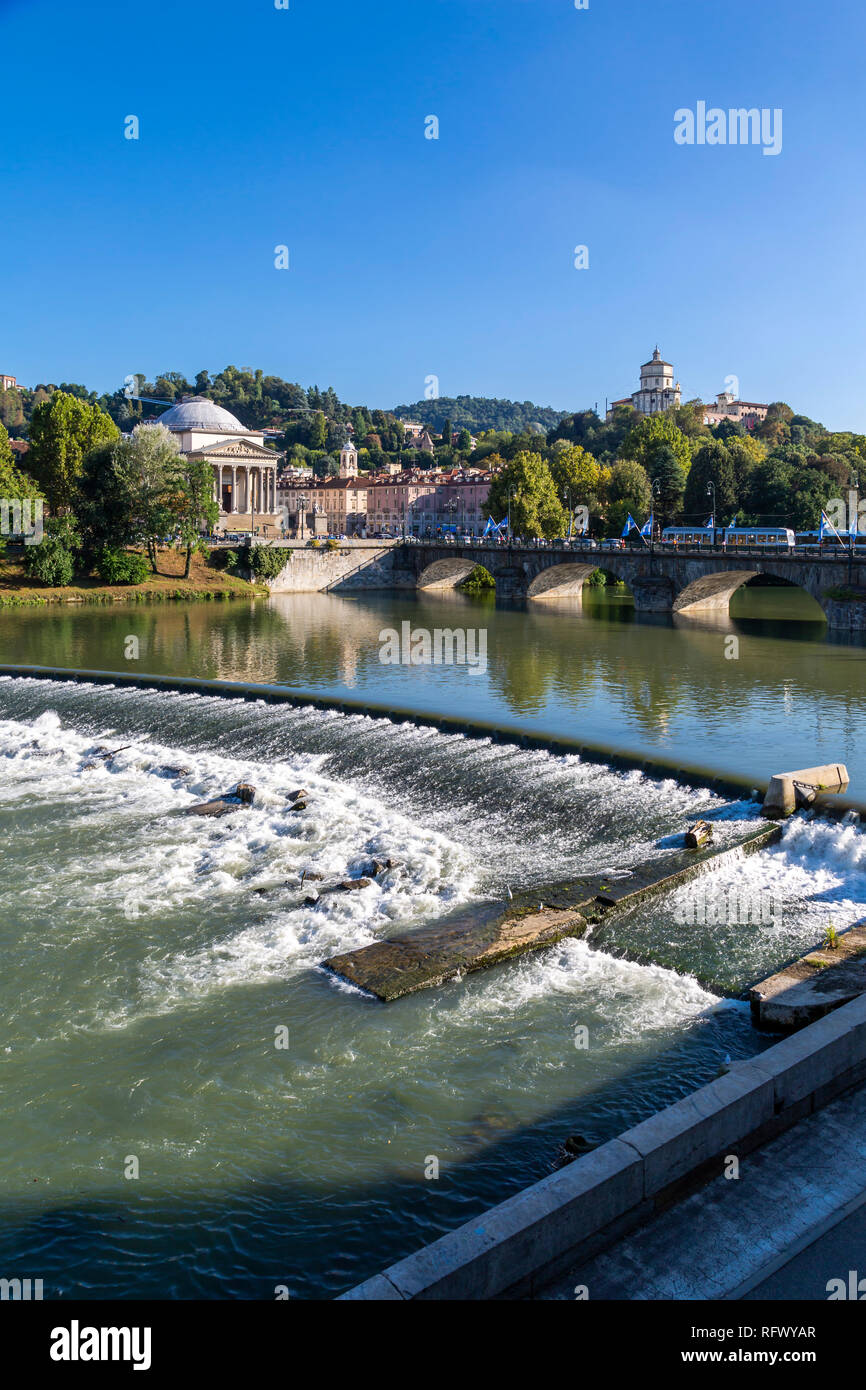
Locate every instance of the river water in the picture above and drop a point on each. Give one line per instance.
(163, 1008)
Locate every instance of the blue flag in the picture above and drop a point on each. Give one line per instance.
(630, 525)
(709, 523)
(827, 525)
(647, 528)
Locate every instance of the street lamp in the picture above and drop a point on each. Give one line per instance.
(510, 527)
(711, 492)
(656, 496)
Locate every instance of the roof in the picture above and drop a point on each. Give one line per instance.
(199, 413)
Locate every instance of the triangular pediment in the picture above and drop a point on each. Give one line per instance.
(237, 448)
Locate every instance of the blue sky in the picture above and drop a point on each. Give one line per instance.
(412, 257)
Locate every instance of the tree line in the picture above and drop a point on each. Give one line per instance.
(106, 492)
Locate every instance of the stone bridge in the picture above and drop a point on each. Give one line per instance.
(661, 581)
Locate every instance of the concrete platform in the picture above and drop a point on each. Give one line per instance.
(812, 986)
(483, 935)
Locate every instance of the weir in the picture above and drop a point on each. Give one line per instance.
(475, 938)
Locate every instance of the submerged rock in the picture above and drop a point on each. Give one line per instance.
(577, 1145)
(349, 884)
(381, 866)
(241, 797)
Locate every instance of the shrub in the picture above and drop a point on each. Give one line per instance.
(332, 545)
(232, 559)
(52, 561)
(480, 581)
(266, 562)
(121, 566)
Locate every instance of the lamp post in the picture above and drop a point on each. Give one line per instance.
(711, 492)
(656, 493)
(510, 527)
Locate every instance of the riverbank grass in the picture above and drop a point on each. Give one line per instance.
(205, 582)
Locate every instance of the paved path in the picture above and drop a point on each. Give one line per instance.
(795, 1218)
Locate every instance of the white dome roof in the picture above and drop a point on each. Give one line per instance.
(201, 414)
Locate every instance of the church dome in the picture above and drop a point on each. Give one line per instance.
(199, 413)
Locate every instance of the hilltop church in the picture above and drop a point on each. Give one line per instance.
(657, 391)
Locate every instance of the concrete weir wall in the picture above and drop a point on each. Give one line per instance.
(571, 1215)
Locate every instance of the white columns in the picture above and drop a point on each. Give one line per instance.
(234, 489)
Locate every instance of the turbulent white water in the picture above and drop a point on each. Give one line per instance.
(152, 955)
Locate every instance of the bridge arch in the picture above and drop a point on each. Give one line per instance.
(560, 580)
(447, 573)
(710, 593)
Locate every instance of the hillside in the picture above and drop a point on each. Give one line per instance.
(480, 413)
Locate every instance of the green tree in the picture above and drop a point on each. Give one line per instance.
(650, 436)
(318, 432)
(14, 484)
(628, 491)
(669, 478)
(192, 503)
(534, 508)
(150, 463)
(785, 493)
(63, 431)
(712, 464)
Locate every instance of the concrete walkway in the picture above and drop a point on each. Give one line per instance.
(795, 1218)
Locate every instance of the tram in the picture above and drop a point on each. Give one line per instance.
(729, 537)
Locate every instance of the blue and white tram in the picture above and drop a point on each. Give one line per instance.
(779, 537)
(729, 537)
(688, 536)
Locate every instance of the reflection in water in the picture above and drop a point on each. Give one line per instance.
(593, 670)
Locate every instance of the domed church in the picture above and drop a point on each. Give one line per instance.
(244, 469)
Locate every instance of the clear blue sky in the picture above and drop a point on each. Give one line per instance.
(412, 257)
